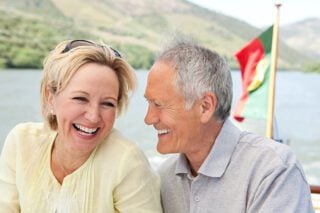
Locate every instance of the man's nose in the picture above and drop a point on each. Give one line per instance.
(151, 116)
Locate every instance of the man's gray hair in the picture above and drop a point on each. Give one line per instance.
(200, 70)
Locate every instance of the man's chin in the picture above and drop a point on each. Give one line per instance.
(163, 149)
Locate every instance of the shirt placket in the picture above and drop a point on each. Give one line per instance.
(195, 195)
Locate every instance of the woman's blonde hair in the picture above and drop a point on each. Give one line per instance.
(62, 63)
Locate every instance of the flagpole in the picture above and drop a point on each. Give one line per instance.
(273, 67)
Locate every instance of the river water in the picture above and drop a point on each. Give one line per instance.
(297, 107)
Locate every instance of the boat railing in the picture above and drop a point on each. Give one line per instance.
(315, 189)
(315, 195)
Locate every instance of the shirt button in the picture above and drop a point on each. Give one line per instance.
(197, 198)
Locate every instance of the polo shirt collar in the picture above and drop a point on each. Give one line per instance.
(182, 166)
(219, 157)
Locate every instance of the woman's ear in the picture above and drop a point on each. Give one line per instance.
(208, 106)
(50, 100)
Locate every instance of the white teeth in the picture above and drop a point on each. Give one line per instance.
(85, 129)
(163, 131)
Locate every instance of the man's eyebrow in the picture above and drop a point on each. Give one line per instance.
(147, 98)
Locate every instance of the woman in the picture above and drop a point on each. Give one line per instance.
(77, 161)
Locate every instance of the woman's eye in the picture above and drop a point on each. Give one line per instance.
(81, 99)
(108, 104)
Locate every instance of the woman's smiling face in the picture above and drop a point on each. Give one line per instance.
(86, 108)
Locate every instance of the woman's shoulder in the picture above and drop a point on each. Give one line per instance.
(119, 157)
(117, 139)
(29, 129)
(25, 142)
(29, 134)
(119, 145)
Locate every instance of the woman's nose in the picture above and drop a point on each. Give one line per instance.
(92, 114)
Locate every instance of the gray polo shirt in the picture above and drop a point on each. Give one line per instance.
(243, 172)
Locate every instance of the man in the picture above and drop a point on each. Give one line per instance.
(219, 168)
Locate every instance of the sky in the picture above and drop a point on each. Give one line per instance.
(261, 13)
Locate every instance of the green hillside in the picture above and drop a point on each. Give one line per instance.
(30, 28)
(304, 36)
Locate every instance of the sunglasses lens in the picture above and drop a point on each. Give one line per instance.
(78, 43)
(116, 53)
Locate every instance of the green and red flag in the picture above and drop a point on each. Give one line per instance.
(254, 60)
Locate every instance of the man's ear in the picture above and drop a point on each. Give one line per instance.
(208, 106)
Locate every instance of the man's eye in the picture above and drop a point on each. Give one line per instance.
(156, 104)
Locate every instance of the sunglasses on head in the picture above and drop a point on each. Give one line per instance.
(77, 43)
